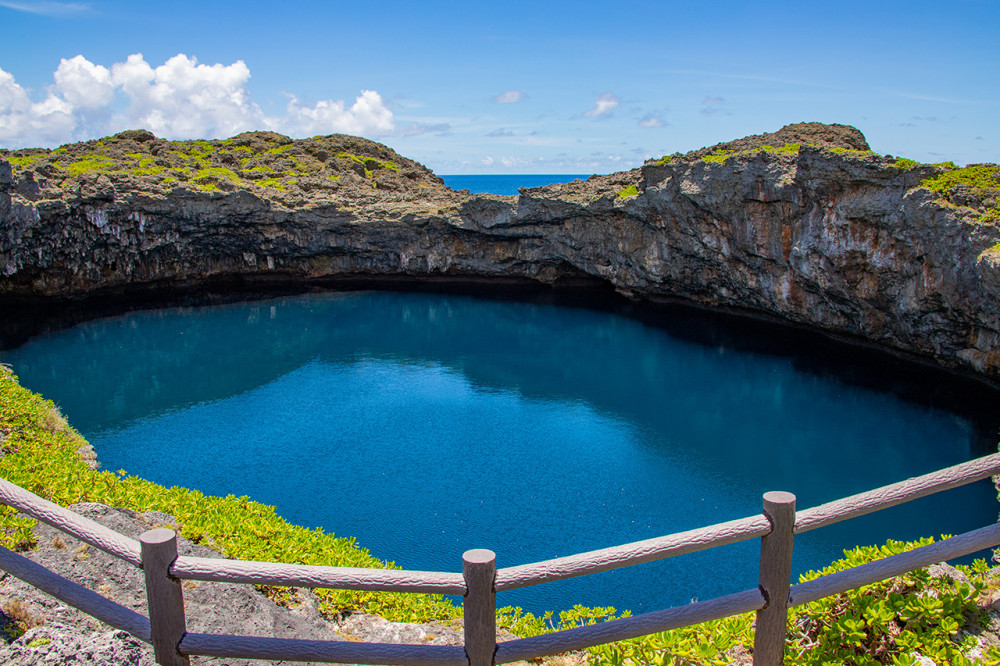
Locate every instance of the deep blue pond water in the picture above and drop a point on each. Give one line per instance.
(428, 424)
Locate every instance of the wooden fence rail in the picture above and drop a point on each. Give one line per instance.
(156, 554)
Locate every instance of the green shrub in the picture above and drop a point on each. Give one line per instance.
(905, 163)
(216, 173)
(719, 156)
(787, 149)
(630, 191)
(276, 183)
(980, 180)
(90, 164)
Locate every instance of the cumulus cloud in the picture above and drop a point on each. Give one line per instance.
(606, 103)
(510, 97)
(180, 99)
(368, 115)
(651, 121)
(183, 99)
(83, 84)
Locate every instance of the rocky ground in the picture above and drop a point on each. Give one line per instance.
(62, 635)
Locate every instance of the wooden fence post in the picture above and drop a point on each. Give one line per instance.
(774, 579)
(479, 567)
(164, 597)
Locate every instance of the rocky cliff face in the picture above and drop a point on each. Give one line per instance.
(805, 225)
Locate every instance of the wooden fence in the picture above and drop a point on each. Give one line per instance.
(156, 554)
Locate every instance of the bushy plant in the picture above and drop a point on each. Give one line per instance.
(905, 163)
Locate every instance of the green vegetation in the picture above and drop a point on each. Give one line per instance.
(90, 164)
(251, 160)
(279, 149)
(719, 156)
(978, 181)
(884, 623)
(630, 191)
(276, 183)
(20, 162)
(787, 149)
(852, 151)
(349, 156)
(905, 163)
(218, 173)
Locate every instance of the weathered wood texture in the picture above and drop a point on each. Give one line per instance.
(628, 554)
(254, 647)
(164, 596)
(775, 576)
(479, 567)
(84, 529)
(75, 595)
(866, 574)
(630, 627)
(897, 493)
(303, 575)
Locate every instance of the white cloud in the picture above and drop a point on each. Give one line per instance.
(47, 8)
(651, 121)
(83, 84)
(510, 97)
(180, 99)
(44, 122)
(606, 103)
(368, 115)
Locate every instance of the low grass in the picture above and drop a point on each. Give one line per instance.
(90, 164)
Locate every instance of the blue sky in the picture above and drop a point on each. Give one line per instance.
(515, 87)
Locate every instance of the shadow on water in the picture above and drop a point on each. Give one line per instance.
(618, 421)
(853, 362)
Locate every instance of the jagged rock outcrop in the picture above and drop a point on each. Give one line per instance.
(804, 225)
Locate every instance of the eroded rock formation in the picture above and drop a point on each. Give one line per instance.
(805, 225)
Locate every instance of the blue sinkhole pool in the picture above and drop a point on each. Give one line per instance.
(428, 424)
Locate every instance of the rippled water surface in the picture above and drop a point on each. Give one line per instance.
(425, 425)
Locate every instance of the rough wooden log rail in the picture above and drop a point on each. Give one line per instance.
(156, 554)
(82, 528)
(77, 596)
(307, 575)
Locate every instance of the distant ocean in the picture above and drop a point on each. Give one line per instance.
(507, 184)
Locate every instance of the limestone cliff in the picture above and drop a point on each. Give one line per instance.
(805, 225)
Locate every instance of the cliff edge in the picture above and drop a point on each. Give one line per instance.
(805, 225)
